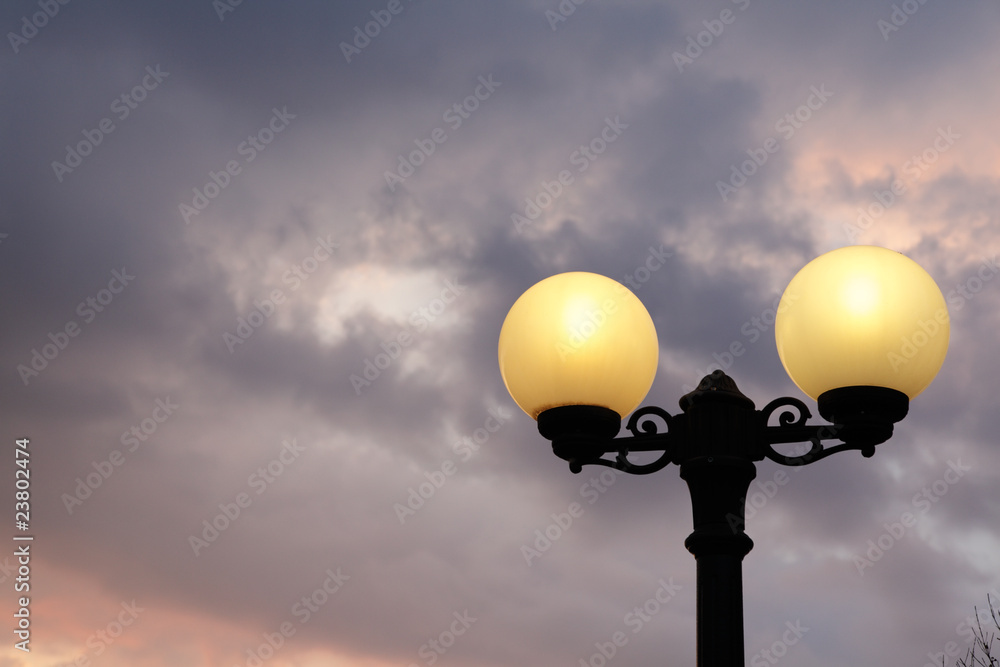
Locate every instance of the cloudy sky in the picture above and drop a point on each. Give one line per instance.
(255, 258)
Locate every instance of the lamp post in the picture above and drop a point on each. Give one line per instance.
(861, 329)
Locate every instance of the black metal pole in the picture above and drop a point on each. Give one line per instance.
(719, 424)
(718, 543)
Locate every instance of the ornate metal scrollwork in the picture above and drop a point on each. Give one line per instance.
(671, 439)
(792, 427)
(648, 426)
(646, 436)
(787, 417)
(792, 416)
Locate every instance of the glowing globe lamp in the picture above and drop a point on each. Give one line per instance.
(578, 348)
(862, 329)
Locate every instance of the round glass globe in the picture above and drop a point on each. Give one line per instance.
(578, 339)
(862, 316)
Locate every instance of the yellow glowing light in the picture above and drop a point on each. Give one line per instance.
(860, 296)
(578, 339)
(862, 316)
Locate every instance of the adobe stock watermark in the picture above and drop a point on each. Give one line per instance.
(418, 496)
(259, 481)
(88, 309)
(22, 617)
(106, 636)
(635, 620)
(595, 318)
(122, 106)
(900, 14)
(249, 149)
(760, 493)
(779, 649)
(420, 319)
(381, 18)
(590, 491)
(752, 331)
(967, 290)
(786, 126)
(102, 639)
(295, 276)
(454, 116)
(562, 12)
(163, 409)
(592, 321)
(435, 647)
(655, 261)
(581, 158)
(223, 7)
(585, 327)
(913, 170)
(922, 334)
(921, 504)
(303, 610)
(925, 330)
(696, 44)
(37, 21)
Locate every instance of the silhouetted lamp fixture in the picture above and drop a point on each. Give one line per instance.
(861, 329)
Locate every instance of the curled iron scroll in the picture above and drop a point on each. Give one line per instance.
(792, 422)
(787, 416)
(640, 423)
(643, 424)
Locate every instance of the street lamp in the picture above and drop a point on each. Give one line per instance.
(861, 329)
